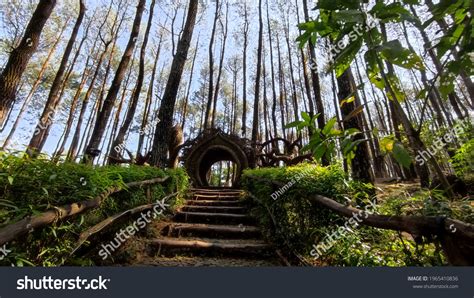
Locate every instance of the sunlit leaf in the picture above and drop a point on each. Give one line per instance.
(401, 155)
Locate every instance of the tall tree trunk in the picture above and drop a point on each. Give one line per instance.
(210, 97)
(19, 57)
(115, 154)
(267, 130)
(413, 136)
(188, 92)
(72, 153)
(292, 74)
(360, 166)
(92, 150)
(256, 102)
(378, 159)
(163, 129)
(315, 80)
(72, 110)
(115, 120)
(272, 67)
(244, 85)
(52, 103)
(75, 145)
(35, 85)
(221, 65)
(144, 128)
(315, 77)
(281, 88)
(453, 98)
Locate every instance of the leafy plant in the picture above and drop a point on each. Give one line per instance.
(463, 160)
(38, 185)
(323, 142)
(389, 145)
(300, 224)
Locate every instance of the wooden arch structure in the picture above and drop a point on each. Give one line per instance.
(213, 146)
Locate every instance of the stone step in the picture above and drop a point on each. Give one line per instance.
(211, 231)
(213, 218)
(215, 209)
(209, 247)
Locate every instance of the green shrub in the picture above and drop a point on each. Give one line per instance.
(300, 224)
(463, 160)
(29, 187)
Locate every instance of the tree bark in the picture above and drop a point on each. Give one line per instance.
(92, 150)
(244, 85)
(272, 69)
(18, 59)
(207, 123)
(52, 103)
(115, 154)
(221, 65)
(163, 129)
(144, 130)
(256, 103)
(33, 89)
(360, 166)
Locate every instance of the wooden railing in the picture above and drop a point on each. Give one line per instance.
(56, 214)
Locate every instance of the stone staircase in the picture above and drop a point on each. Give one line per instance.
(212, 229)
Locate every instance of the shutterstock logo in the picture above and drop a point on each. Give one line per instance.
(49, 283)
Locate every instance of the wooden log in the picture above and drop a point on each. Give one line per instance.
(30, 223)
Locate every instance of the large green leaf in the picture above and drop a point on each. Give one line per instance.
(449, 40)
(351, 15)
(329, 126)
(373, 70)
(395, 53)
(344, 59)
(401, 155)
(394, 12)
(306, 117)
(446, 7)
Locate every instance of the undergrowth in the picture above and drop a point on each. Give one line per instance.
(32, 186)
(300, 225)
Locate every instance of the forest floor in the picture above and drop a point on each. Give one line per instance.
(396, 189)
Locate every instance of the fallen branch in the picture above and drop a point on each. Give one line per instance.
(30, 223)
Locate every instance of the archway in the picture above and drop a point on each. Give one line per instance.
(212, 147)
